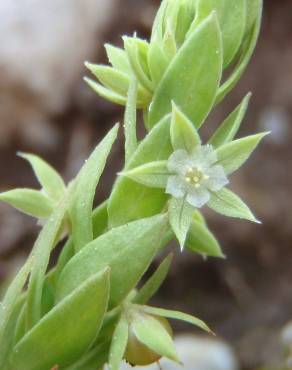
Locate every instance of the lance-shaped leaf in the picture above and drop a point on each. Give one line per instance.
(8, 305)
(153, 174)
(29, 201)
(153, 334)
(130, 121)
(127, 250)
(129, 200)
(176, 315)
(48, 177)
(118, 58)
(155, 281)
(157, 61)
(68, 330)
(41, 256)
(99, 220)
(106, 93)
(229, 128)
(198, 81)
(84, 191)
(229, 204)
(201, 240)
(247, 52)
(232, 20)
(182, 132)
(118, 344)
(180, 218)
(234, 154)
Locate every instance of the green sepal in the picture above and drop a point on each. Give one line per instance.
(31, 202)
(235, 153)
(229, 128)
(83, 190)
(201, 240)
(232, 20)
(131, 201)
(153, 174)
(127, 250)
(66, 332)
(48, 177)
(118, 59)
(180, 218)
(229, 204)
(183, 134)
(119, 343)
(176, 315)
(198, 82)
(151, 332)
(154, 282)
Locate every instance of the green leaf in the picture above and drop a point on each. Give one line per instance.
(152, 333)
(197, 67)
(254, 8)
(137, 51)
(106, 93)
(177, 316)
(41, 256)
(48, 177)
(232, 20)
(32, 202)
(130, 121)
(84, 191)
(127, 250)
(153, 174)
(234, 154)
(157, 61)
(201, 240)
(8, 305)
(67, 331)
(229, 128)
(118, 344)
(246, 54)
(180, 218)
(229, 204)
(129, 200)
(156, 280)
(99, 219)
(118, 58)
(182, 132)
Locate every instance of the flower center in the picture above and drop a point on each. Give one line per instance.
(195, 176)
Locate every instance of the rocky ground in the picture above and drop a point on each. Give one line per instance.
(46, 108)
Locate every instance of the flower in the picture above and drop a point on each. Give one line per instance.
(195, 176)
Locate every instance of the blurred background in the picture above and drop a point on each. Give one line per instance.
(46, 108)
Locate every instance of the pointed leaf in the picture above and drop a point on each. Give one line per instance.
(118, 58)
(152, 333)
(176, 315)
(201, 240)
(129, 200)
(229, 128)
(130, 121)
(229, 204)
(106, 93)
(84, 190)
(48, 177)
(182, 132)
(157, 61)
(234, 154)
(153, 174)
(232, 17)
(29, 201)
(127, 250)
(156, 280)
(118, 344)
(68, 330)
(99, 219)
(198, 81)
(180, 218)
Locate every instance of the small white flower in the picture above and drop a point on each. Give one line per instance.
(194, 176)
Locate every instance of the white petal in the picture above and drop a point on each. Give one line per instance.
(175, 187)
(217, 178)
(198, 197)
(205, 156)
(179, 161)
